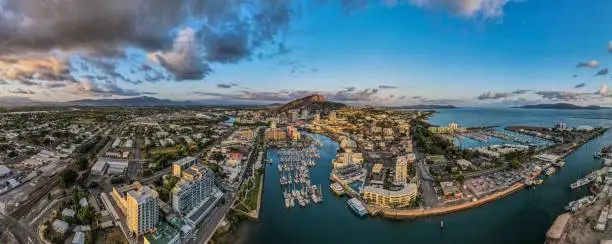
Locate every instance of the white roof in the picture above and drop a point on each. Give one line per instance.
(79, 238)
(60, 226)
(99, 166)
(4, 170)
(68, 212)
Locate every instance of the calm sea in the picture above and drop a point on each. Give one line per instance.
(523, 217)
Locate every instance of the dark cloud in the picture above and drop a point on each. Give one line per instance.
(574, 76)
(387, 87)
(226, 85)
(231, 30)
(588, 64)
(3, 82)
(520, 92)
(602, 72)
(280, 96)
(53, 85)
(402, 97)
(610, 46)
(27, 82)
(104, 89)
(353, 96)
(21, 91)
(344, 95)
(493, 95)
(561, 95)
(580, 85)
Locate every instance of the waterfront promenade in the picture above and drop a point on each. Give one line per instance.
(417, 213)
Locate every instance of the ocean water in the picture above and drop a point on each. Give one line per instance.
(523, 217)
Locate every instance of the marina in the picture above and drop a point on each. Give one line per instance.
(523, 210)
(294, 167)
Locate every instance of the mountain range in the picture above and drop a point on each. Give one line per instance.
(562, 106)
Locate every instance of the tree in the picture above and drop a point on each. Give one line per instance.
(82, 164)
(69, 177)
(217, 156)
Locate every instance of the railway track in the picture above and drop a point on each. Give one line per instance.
(24, 208)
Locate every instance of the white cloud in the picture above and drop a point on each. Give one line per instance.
(467, 8)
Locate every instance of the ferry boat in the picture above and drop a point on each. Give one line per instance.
(357, 207)
(580, 182)
(576, 205)
(550, 171)
(337, 189)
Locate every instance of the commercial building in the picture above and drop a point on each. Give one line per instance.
(140, 205)
(452, 128)
(293, 133)
(387, 198)
(182, 164)
(275, 134)
(195, 185)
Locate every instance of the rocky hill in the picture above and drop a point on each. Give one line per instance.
(312, 103)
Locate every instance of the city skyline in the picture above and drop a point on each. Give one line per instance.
(392, 52)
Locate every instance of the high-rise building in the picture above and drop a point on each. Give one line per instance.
(275, 134)
(304, 114)
(317, 118)
(293, 133)
(401, 169)
(195, 186)
(332, 116)
(181, 164)
(142, 207)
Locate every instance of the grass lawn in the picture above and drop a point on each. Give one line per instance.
(163, 150)
(252, 196)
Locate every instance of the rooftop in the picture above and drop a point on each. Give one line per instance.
(406, 190)
(143, 193)
(164, 234)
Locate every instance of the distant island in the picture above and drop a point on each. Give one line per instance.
(423, 106)
(562, 106)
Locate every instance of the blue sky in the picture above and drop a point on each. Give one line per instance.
(430, 51)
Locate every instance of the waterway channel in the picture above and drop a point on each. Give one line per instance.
(522, 217)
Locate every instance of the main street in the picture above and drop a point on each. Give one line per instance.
(429, 197)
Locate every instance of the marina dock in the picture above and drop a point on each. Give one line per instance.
(294, 167)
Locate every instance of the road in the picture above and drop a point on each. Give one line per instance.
(35, 196)
(429, 197)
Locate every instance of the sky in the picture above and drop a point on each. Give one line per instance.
(380, 52)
